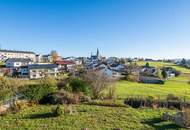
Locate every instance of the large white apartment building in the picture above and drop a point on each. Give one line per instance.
(6, 54)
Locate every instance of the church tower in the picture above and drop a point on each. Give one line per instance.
(98, 53)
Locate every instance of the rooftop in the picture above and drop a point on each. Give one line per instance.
(42, 66)
(19, 60)
(14, 51)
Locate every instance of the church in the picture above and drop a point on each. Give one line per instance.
(97, 56)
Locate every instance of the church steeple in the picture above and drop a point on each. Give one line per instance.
(98, 53)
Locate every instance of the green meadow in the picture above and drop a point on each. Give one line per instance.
(91, 117)
(126, 89)
(165, 64)
(179, 86)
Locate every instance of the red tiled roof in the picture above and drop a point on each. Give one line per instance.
(65, 62)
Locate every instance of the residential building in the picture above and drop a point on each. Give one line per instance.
(17, 62)
(36, 71)
(6, 54)
(66, 65)
(44, 58)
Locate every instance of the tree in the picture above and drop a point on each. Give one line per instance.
(122, 61)
(164, 74)
(54, 55)
(147, 65)
(159, 73)
(183, 62)
(98, 82)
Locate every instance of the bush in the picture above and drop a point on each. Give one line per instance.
(98, 81)
(78, 85)
(172, 97)
(18, 105)
(68, 109)
(37, 92)
(111, 92)
(64, 84)
(59, 111)
(151, 98)
(187, 117)
(64, 97)
(132, 78)
(84, 98)
(6, 90)
(108, 103)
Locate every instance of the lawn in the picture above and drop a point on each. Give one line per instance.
(91, 117)
(164, 64)
(177, 87)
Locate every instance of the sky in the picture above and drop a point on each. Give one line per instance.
(122, 28)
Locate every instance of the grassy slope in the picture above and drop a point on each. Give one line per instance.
(178, 86)
(162, 64)
(125, 89)
(92, 117)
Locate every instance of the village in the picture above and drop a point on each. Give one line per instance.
(26, 64)
(49, 80)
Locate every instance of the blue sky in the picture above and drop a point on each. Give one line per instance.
(124, 28)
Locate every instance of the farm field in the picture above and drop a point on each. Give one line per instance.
(91, 117)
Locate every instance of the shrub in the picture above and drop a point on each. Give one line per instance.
(6, 90)
(132, 78)
(78, 85)
(98, 81)
(108, 103)
(59, 111)
(111, 92)
(8, 87)
(187, 116)
(18, 105)
(64, 97)
(68, 109)
(64, 84)
(172, 97)
(151, 98)
(37, 92)
(84, 98)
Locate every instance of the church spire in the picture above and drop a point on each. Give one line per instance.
(98, 53)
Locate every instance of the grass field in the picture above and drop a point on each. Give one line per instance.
(164, 64)
(178, 86)
(91, 117)
(127, 89)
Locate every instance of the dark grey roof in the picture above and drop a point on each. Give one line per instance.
(42, 66)
(14, 51)
(26, 60)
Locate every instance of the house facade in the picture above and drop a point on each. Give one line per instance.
(44, 58)
(66, 65)
(17, 62)
(6, 54)
(36, 71)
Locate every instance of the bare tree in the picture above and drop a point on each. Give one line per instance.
(98, 82)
